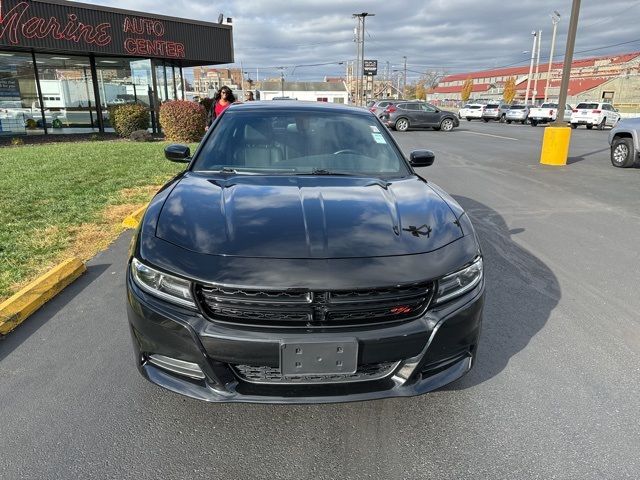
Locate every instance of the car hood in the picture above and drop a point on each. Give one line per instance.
(306, 216)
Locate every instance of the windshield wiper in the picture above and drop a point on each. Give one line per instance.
(324, 171)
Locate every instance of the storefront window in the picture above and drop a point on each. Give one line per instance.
(67, 93)
(19, 108)
(120, 81)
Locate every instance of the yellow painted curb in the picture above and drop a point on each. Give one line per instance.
(133, 220)
(17, 308)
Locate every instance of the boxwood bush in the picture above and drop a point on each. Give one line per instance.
(126, 119)
(182, 121)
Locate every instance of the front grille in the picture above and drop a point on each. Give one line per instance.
(264, 374)
(322, 309)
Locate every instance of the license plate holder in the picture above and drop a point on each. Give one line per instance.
(319, 357)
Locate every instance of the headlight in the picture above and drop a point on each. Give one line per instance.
(457, 283)
(160, 284)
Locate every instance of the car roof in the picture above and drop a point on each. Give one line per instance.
(298, 106)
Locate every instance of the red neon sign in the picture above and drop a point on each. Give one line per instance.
(73, 30)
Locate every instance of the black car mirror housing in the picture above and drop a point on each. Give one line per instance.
(421, 158)
(177, 153)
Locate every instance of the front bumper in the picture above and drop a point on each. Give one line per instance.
(427, 353)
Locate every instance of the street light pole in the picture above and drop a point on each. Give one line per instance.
(533, 54)
(555, 18)
(404, 81)
(535, 78)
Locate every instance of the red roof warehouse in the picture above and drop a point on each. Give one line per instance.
(587, 76)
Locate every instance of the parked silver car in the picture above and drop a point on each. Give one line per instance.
(517, 113)
(495, 111)
(624, 139)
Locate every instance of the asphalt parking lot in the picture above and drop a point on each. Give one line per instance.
(555, 392)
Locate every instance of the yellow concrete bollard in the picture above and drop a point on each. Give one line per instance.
(555, 146)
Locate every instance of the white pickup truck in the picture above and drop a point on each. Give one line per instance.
(547, 113)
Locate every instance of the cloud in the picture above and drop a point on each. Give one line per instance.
(449, 35)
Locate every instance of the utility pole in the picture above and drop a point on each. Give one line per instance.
(533, 55)
(557, 136)
(568, 60)
(535, 78)
(361, 32)
(356, 71)
(555, 18)
(404, 81)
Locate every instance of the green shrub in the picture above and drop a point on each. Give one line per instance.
(17, 141)
(128, 118)
(31, 124)
(57, 123)
(182, 121)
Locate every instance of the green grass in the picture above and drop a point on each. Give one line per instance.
(50, 192)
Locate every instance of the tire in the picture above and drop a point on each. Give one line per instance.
(468, 119)
(589, 127)
(602, 123)
(503, 118)
(402, 124)
(523, 122)
(534, 123)
(623, 154)
(446, 125)
(486, 120)
(509, 122)
(574, 126)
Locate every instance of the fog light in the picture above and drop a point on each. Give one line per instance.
(187, 369)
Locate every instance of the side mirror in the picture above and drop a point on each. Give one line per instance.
(421, 158)
(177, 153)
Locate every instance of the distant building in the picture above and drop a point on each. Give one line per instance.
(332, 92)
(613, 78)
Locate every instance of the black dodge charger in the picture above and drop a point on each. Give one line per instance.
(298, 259)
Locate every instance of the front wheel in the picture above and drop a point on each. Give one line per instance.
(468, 119)
(509, 122)
(623, 153)
(402, 125)
(446, 125)
(503, 118)
(486, 120)
(602, 124)
(534, 123)
(589, 127)
(574, 125)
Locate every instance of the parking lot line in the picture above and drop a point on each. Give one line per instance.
(489, 135)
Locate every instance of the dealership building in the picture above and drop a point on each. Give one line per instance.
(63, 64)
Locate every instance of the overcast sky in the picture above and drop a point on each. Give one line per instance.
(451, 35)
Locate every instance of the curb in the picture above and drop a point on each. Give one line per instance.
(17, 308)
(133, 220)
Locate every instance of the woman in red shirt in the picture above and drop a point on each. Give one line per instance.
(221, 101)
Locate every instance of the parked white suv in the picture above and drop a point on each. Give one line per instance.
(595, 114)
(472, 110)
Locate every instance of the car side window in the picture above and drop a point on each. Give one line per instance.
(428, 108)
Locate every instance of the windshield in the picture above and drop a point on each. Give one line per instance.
(517, 107)
(549, 105)
(587, 105)
(300, 142)
(492, 106)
